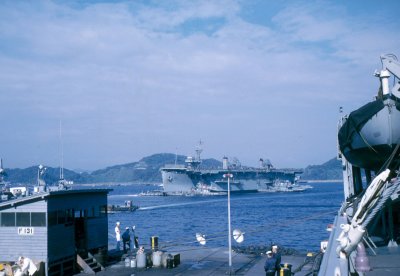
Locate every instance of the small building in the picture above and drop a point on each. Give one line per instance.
(54, 227)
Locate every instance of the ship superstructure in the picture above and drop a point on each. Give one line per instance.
(191, 176)
(366, 231)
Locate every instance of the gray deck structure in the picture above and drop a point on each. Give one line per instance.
(53, 227)
(207, 261)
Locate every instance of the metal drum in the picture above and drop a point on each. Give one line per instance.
(157, 258)
(141, 260)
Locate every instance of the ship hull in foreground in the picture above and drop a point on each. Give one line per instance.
(365, 234)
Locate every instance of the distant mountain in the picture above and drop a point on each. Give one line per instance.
(52, 175)
(147, 170)
(331, 170)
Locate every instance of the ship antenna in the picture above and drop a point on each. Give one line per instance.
(1, 170)
(176, 156)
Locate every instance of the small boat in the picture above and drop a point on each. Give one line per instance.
(127, 207)
(284, 186)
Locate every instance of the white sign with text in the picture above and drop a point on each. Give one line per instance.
(26, 231)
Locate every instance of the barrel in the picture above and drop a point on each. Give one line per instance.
(154, 242)
(149, 259)
(286, 270)
(141, 260)
(288, 266)
(157, 258)
(133, 262)
(127, 262)
(164, 258)
(170, 262)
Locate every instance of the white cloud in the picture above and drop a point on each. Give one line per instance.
(131, 74)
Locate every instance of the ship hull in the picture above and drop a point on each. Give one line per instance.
(244, 181)
(176, 181)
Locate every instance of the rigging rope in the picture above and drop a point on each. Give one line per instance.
(385, 196)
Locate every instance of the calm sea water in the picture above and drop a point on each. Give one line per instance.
(294, 220)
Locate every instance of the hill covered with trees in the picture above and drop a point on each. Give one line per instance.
(147, 170)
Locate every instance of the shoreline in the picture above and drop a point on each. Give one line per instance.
(325, 181)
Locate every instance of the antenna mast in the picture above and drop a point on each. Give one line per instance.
(1, 171)
(61, 156)
(199, 150)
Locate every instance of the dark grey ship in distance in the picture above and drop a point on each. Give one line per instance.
(191, 177)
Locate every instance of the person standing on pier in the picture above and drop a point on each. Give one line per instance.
(270, 264)
(133, 238)
(126, 239)
(118, 235)
(278, 257)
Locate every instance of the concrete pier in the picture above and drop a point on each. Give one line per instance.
(204, 261)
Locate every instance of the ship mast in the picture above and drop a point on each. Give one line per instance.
(199, 150)
(2, 172)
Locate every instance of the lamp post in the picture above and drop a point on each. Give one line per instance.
(229, 176)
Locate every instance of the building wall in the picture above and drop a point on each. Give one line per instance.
(97, 233)
(14, 244)
(55, 240)
(61, 241)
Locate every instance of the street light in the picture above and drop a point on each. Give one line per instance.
(229, 176)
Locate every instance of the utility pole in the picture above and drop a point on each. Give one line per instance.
(229, 176)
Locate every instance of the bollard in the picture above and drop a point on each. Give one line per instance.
(154, 243)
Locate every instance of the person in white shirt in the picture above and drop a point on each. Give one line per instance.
(118, 235)
(27, 266)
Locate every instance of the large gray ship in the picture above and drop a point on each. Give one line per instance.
(192, 177)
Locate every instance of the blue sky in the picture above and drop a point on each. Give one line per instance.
(128, 79)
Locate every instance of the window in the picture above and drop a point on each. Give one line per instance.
(23, 219)
(38, 219)
(8, 219)
(78, 213)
